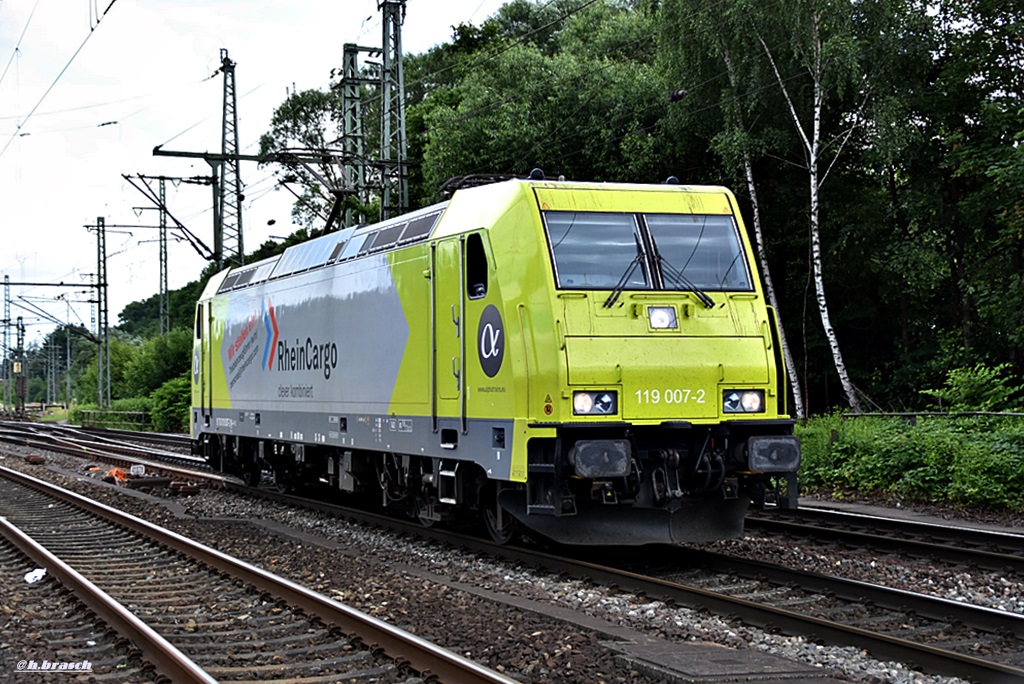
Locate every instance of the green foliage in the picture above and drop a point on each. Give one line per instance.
(922, 215)
(973, 461)
(553, 102)
(75, 414)
(132, 405)
(124, 414)
(307, 120)
(171, 405)
(158, 360)
(979, 388)
(121, 353)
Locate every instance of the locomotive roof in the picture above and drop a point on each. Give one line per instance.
(486, 203)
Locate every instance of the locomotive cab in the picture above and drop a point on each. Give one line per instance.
(671, 411)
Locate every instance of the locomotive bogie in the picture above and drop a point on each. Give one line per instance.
(593, 361)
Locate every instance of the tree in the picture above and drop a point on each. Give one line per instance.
(308, 121)
(171, 405)
(722, 35)
(121, 353)
(158, 360)
(823, 45)
(575, 113)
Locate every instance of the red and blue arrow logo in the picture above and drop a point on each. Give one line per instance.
(270, 323)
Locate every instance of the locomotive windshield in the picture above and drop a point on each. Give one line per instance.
(592, 250)
(597, 250)
(705, 249)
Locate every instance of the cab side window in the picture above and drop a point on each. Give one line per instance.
(476, 267)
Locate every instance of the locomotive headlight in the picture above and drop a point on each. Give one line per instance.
(743, 401)
(662, 317)
(594, 403)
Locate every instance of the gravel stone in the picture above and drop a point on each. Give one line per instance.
(369, 569)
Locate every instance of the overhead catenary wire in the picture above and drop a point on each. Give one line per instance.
(17, 48)
(21, 125)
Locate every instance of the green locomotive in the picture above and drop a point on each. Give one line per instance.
(592, 361)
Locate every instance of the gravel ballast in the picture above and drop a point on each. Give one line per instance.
(393, 577)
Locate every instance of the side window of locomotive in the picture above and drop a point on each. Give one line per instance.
(706, 249)
(596, 250)
(199, 322)
(476, 267)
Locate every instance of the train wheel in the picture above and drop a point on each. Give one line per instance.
(425, 511)
(501, 525)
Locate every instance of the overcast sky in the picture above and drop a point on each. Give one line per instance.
(142, 78)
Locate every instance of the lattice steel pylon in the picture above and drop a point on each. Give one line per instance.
(165, 316)
(393, 158)
(353, 139)
(102, 310)
(229, 201)
(7, 343)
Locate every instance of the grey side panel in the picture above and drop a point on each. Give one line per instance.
(378, 432)
(333, 337)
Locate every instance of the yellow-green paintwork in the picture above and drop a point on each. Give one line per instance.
(557, 341)
(560, 340)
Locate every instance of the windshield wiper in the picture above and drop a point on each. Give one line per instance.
(676, 276)
(621, 285)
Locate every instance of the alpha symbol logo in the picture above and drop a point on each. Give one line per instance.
(491, 341)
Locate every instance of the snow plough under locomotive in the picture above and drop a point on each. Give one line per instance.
(594, 362)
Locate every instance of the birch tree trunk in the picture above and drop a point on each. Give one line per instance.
(748, 168)
(812, 148)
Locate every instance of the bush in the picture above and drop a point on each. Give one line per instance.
(132, 405)
(171, 405)
(980, 388)
(75, 414)
(966, 460)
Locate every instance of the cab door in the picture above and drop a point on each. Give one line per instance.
(202, 367)
(448, 324)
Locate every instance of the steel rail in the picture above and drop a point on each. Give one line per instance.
(156, 650)
(980, 557)
(76, 435)
(113, 455)
(155, 437)
(882, 646)
(404, 648)
(933, 607)
(979, 535)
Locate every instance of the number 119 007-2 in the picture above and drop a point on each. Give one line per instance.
(670, 396)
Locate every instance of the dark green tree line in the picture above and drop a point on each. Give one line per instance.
(875, 148)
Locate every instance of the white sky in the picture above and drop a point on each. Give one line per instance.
(146, 67)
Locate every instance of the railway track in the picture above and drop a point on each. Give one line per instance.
(115, 451)
(940, 636)
(162, 439)
(65, 630)
(200, 616)
(986, 548)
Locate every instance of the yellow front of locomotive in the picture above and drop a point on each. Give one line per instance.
(670, 417)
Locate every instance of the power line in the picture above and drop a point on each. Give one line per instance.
(21, 38)
(66, 66)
